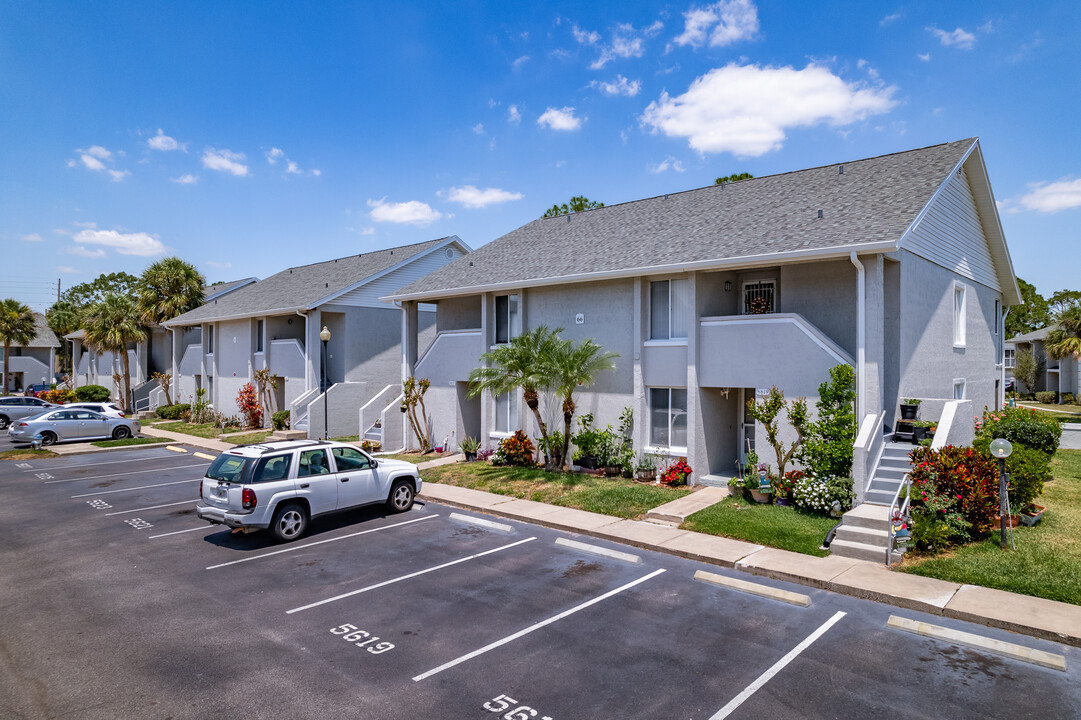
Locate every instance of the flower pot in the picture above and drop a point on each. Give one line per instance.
(759, 497)
(612, 470)
(1031, 517)
(470, 456)
(1015, 520)
(587, 462)
(918, 433)
(628, 474)
(909, 412)
(782, 501)
(646, 475)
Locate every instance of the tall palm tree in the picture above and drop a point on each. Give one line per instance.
(525, 362)
(1065, 338)
(16, 328)
(574, 366)
(168, 288)
(110, 325)
(63, 318)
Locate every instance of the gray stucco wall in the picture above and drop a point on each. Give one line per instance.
(825, 294)
(285, 326)
(459, 313)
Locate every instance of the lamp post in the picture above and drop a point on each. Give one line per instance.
(324, 335)
(1001, 448)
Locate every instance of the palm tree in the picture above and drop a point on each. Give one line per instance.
(575, 366)
(168, 288)
(63, 318)
(525, 362)
(1065, 338)
(16, 328)
(110, 325)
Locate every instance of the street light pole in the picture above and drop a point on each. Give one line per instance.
(324, 335)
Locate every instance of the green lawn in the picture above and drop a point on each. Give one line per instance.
(346, 438)
(1047, 562)
(27, 454)
(610, 496)
(776, 526)
(130, 441)
(250, 438)
(1062, 413)
(205, 430)
(414, 457)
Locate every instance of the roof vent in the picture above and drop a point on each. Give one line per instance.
(819, 214)
(666, 196)
(326, 285)
(470, 263)
(722, 185)
(840, 169)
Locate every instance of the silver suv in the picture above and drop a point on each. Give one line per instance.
(281, 485)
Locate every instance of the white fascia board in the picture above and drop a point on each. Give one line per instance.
(451, 240)
(239, 316)
(1000, 252)
(745, 261)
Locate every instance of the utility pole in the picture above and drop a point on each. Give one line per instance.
(58, 289)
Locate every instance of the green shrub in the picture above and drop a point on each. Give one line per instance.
(516, 450)
(92, 393)
(1028, 468)
(817, 496)
(1068, 399)
(930, 533)
(827, 449)
(1023, 426)
(172, 412)
(280, 420)
(1046, 396)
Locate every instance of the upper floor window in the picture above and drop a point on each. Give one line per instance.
(758, 297)
(669, 309)
(258, 336)
(959, 315)
(210, 340)
(506, 318)
(1011, 357)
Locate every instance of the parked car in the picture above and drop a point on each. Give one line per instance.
(36, 389)
(281, 485)
(107, 409)
(16, 408)
(1011, 384)
(63, 424)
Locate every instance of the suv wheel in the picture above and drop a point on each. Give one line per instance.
(290, 522)
(4, 422)
(401, 496)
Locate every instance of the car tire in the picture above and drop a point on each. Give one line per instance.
(401, 496)
(48, 438)
(290, 522)
(121, 433)
(4, 422)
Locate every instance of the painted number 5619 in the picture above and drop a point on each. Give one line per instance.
(502, 702)
(363, 639)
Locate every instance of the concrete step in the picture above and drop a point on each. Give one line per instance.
(885, 483)
(878, 497)
(288, 435)
(868, 536)
(677, 511)
(898, 463)
(891, 474)
(859, 551)
(875, 517)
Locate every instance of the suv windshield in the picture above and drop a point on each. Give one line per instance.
(229, 468)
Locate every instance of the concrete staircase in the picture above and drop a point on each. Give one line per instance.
(865, 530)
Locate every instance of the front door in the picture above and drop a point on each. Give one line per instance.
(746, 425)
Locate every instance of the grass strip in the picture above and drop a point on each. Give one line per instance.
(250, 438)
(780, 526)
(203, 430)
(131, 441)
(26, 454)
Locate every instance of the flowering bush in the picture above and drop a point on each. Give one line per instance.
(677, 473)
(1021, 425)
(818, 496)
(965, 476)
(784, 485)
(57, 396)
(515, 450)
(249, 406)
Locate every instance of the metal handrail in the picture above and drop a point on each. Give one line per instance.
(900, 511)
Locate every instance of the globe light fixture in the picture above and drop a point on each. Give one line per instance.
(1001, 448)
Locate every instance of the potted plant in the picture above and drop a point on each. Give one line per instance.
(469, 446)
(921, 430)
(1032, 514)
(751, 484)
(910, 407)
(587, 441)
(677, 473)
(627, 462)
(645, 468)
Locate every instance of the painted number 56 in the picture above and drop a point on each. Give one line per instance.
(502, 702)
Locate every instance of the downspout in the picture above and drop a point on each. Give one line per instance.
(861, 333)
(1001, 399)
(307, 350)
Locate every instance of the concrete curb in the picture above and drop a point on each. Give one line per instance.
(1006, 649)
(754, 588)
(87, 449)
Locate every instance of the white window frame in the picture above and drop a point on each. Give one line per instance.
(667, 449)
(772, 281)
(1009, 358)
(260, 331)
(511, 421)
(959, 383)
(960, 311)
(209, 339)
(669, 339)
(514, 322)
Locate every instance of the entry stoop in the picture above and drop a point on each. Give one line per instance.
(864, 534)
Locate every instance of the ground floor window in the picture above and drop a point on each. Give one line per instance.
(668, 417)
(506, 413)
(959, 389)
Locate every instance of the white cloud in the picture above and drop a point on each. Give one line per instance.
(85, 224)
(473, 197)
(86, 252)
(142, 244)
(560, 119)
(626, 43)
(71, 163)
(32, 237)
(119, 175)
(586, 38)
(745, 109)
(987, 27)
(97, 151)
(316, 172)
(161, 141)
(291, 168)
(413, 212)
(722, 23)
(219, 265)
(890, 18)
(186, 179)
(1060, 195)
(478, 128)
(669, 163)
(92, 162)
(958, 38)
(926, 57)
(93, 157)
(519, 62)
(273, 155)
(225, 161)
(621, 86)
(368, 231)
(68, 270)
(514, 115)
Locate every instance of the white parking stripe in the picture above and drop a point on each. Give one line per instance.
(133, 472)
(152, 507)
(112, 462)
(178, 532)
(141, 487)
(537, 626)
(406, 577)
(320, 542)
(776, 668)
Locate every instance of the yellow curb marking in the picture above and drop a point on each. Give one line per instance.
(596, 550)
(754, 588)
(1010, 650)
(175, 449)
(204, 456)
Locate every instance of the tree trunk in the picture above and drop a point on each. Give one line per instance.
(7, 371)
(533, 403)
(568, 415)
(126, 404)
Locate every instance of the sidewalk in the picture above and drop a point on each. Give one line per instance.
(1060, 622)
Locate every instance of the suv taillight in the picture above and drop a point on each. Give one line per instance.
(248, 499)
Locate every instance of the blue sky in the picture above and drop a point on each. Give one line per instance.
(248, 137)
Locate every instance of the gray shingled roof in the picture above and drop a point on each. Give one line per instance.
(44, 337)
(300, 288)
(1028, 337)
(873, 200)
(224, 288)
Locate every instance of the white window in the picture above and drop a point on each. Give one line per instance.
(998, 315)
(258, 336)
(506, 413)
(959, 315)
(506, 318)
(669, 309)
(758, 297)
(668, 418)
(959, 389)
(1011, 357)
(210, 340)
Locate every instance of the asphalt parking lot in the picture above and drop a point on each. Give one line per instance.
(118, 602)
